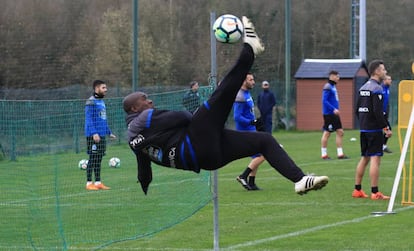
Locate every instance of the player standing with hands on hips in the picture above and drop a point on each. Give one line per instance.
(181, 140)
(96, 129)
(331, 117)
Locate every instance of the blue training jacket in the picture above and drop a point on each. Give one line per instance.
(386, 97)
(330, 99)
(244, 111)
(95, 118)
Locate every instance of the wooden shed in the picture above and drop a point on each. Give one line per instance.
(312, 75)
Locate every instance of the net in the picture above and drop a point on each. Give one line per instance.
(44, 202)
(51, 52)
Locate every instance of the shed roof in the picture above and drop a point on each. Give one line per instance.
(320, 68)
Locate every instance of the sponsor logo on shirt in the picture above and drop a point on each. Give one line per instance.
(365, 93)
(136, 141)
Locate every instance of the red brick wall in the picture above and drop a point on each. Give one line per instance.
(309, 103)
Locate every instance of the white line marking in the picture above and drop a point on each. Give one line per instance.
(305, 231)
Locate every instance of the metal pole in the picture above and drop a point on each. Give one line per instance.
(353, 29)
(401, 162)
(362, 30)
(135, 45)
(215, 172)
(287, 62)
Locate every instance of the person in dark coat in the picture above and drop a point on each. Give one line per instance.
(265, 102)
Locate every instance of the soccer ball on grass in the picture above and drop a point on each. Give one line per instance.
(228, 29)
(83, 164)
(114, 162)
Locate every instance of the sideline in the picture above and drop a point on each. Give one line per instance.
(305, 231)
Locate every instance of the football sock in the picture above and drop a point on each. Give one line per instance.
(358, 187)
(246, 172)
(374, 189)
(324, 151)
(339, 151)
(251, 180)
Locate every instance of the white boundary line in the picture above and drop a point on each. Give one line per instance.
(256, 242)
(305, 231)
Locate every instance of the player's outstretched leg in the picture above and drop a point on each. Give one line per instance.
(241, 144)
(217, 108)
(310, 182)
(250, 37)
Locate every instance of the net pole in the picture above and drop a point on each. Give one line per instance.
(401, 162)
(215, 172)
(135, 46)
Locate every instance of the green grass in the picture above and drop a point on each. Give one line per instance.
(274, 218)
(278, 219)
(44, 204)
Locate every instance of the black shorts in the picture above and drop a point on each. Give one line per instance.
(371, 143)
(331, 122)
(96, 148)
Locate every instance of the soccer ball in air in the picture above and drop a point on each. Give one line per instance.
(83, 164)
(114, 162)
(228, 29)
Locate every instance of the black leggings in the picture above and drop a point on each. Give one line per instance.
(96, 151)
(216, 146)
(94, 164)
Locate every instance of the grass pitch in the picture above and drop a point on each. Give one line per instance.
(275, 218)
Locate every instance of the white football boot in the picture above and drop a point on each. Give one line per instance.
(310, 182)
(250, 37)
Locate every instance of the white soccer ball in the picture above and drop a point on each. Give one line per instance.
(83, 164)
(228, 29)
(353, 139)
(114, 162)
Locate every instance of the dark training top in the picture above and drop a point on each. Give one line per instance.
(158, 133)
(369, 108)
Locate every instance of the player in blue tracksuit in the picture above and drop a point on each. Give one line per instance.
(96, 129)
(179, 139)
(245, 120)
(386, 97)
(95, 117)
(331, 117)
(244, 108)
